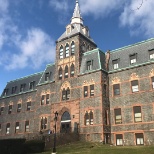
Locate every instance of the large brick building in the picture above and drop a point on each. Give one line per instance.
(102, 96)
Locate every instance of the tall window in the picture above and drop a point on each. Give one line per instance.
(43, 123)
(26, 126)
(89, 65)
(61, 52)
(43, 100)
(67, 50)
(119, 139)
(10, 109)
(91, 117)
(66, 71)
(135, 86)
(139, 139)
(28, 106)
(151, 54)
(17, 127)
(152, 80)
(133, 59)
(8, 128)
(72, 70)
(91, 90)
(1, 110)
(72, 48)
(47, 99)
(22, 87)
(85, 91)
(14, 89)
(118, 116)
(66, 94)
(88, 118)
(60, 73)
(137, 114)
(19, 107)
(47, 76)
(31, 85)
(116, 89)
(115, 64)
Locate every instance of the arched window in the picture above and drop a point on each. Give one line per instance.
(72, 70)
(43, 123)
(66, 123)
(72, 48)
(91, 118)
(66, 117)
(66, 71)
(61, 52)
(86, 118)
(66, 94)
(67, 50)
(60, 73)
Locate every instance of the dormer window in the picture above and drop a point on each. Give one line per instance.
(133, 59)
(115, 64)
(14, 89)
(5, 92)
(151, 54)
(22, 87)
(89, 65)
(47, 76)
(67, 50)
(61, 52)
(31, 85)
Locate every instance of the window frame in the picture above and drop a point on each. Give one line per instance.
(10, 107)
(151, 54)
(67, 54)
(137, 110)
(47, 99)
(8, 128)
(17, 127)
(119, 139)
(133, 59)
(61, 52)
(19, 108)
(72, 48)
(85, 91)
(115, 64)
(72, 70)
(92, 90)
(60, 73)
(29, 104)
(139, 136)
(42, 99)
(47, 76)
(134, 86)
(116, 89)
(31, 85)
(14, 90)
(44, 123)
(118, 116)
(89, 65)
(152, 82)
(66, 72)
(27, 126)
(22, 87)
(1, 110)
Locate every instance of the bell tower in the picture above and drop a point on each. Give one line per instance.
(71, 45)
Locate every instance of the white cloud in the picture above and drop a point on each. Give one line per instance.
(4, 6)
(32, 50)
(36, 49)
(100, 8)
(139, 20)
(60, 5)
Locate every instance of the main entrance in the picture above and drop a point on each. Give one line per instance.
(65, 123)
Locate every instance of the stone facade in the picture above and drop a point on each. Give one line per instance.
(103, 97)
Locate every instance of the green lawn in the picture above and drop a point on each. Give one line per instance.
(98, 148)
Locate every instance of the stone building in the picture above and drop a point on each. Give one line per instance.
(102, 96)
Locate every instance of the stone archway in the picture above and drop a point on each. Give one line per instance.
(65, 123)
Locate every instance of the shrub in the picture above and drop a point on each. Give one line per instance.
(13, 146)
(34, 146)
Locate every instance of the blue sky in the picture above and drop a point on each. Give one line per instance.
(29, 29)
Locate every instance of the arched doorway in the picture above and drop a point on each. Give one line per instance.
(65, 123)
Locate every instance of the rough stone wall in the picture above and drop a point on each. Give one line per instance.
(127, 100)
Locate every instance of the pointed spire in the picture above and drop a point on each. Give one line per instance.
(77, 15)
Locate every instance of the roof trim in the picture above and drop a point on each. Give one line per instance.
(130, 46)
(25, 77)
